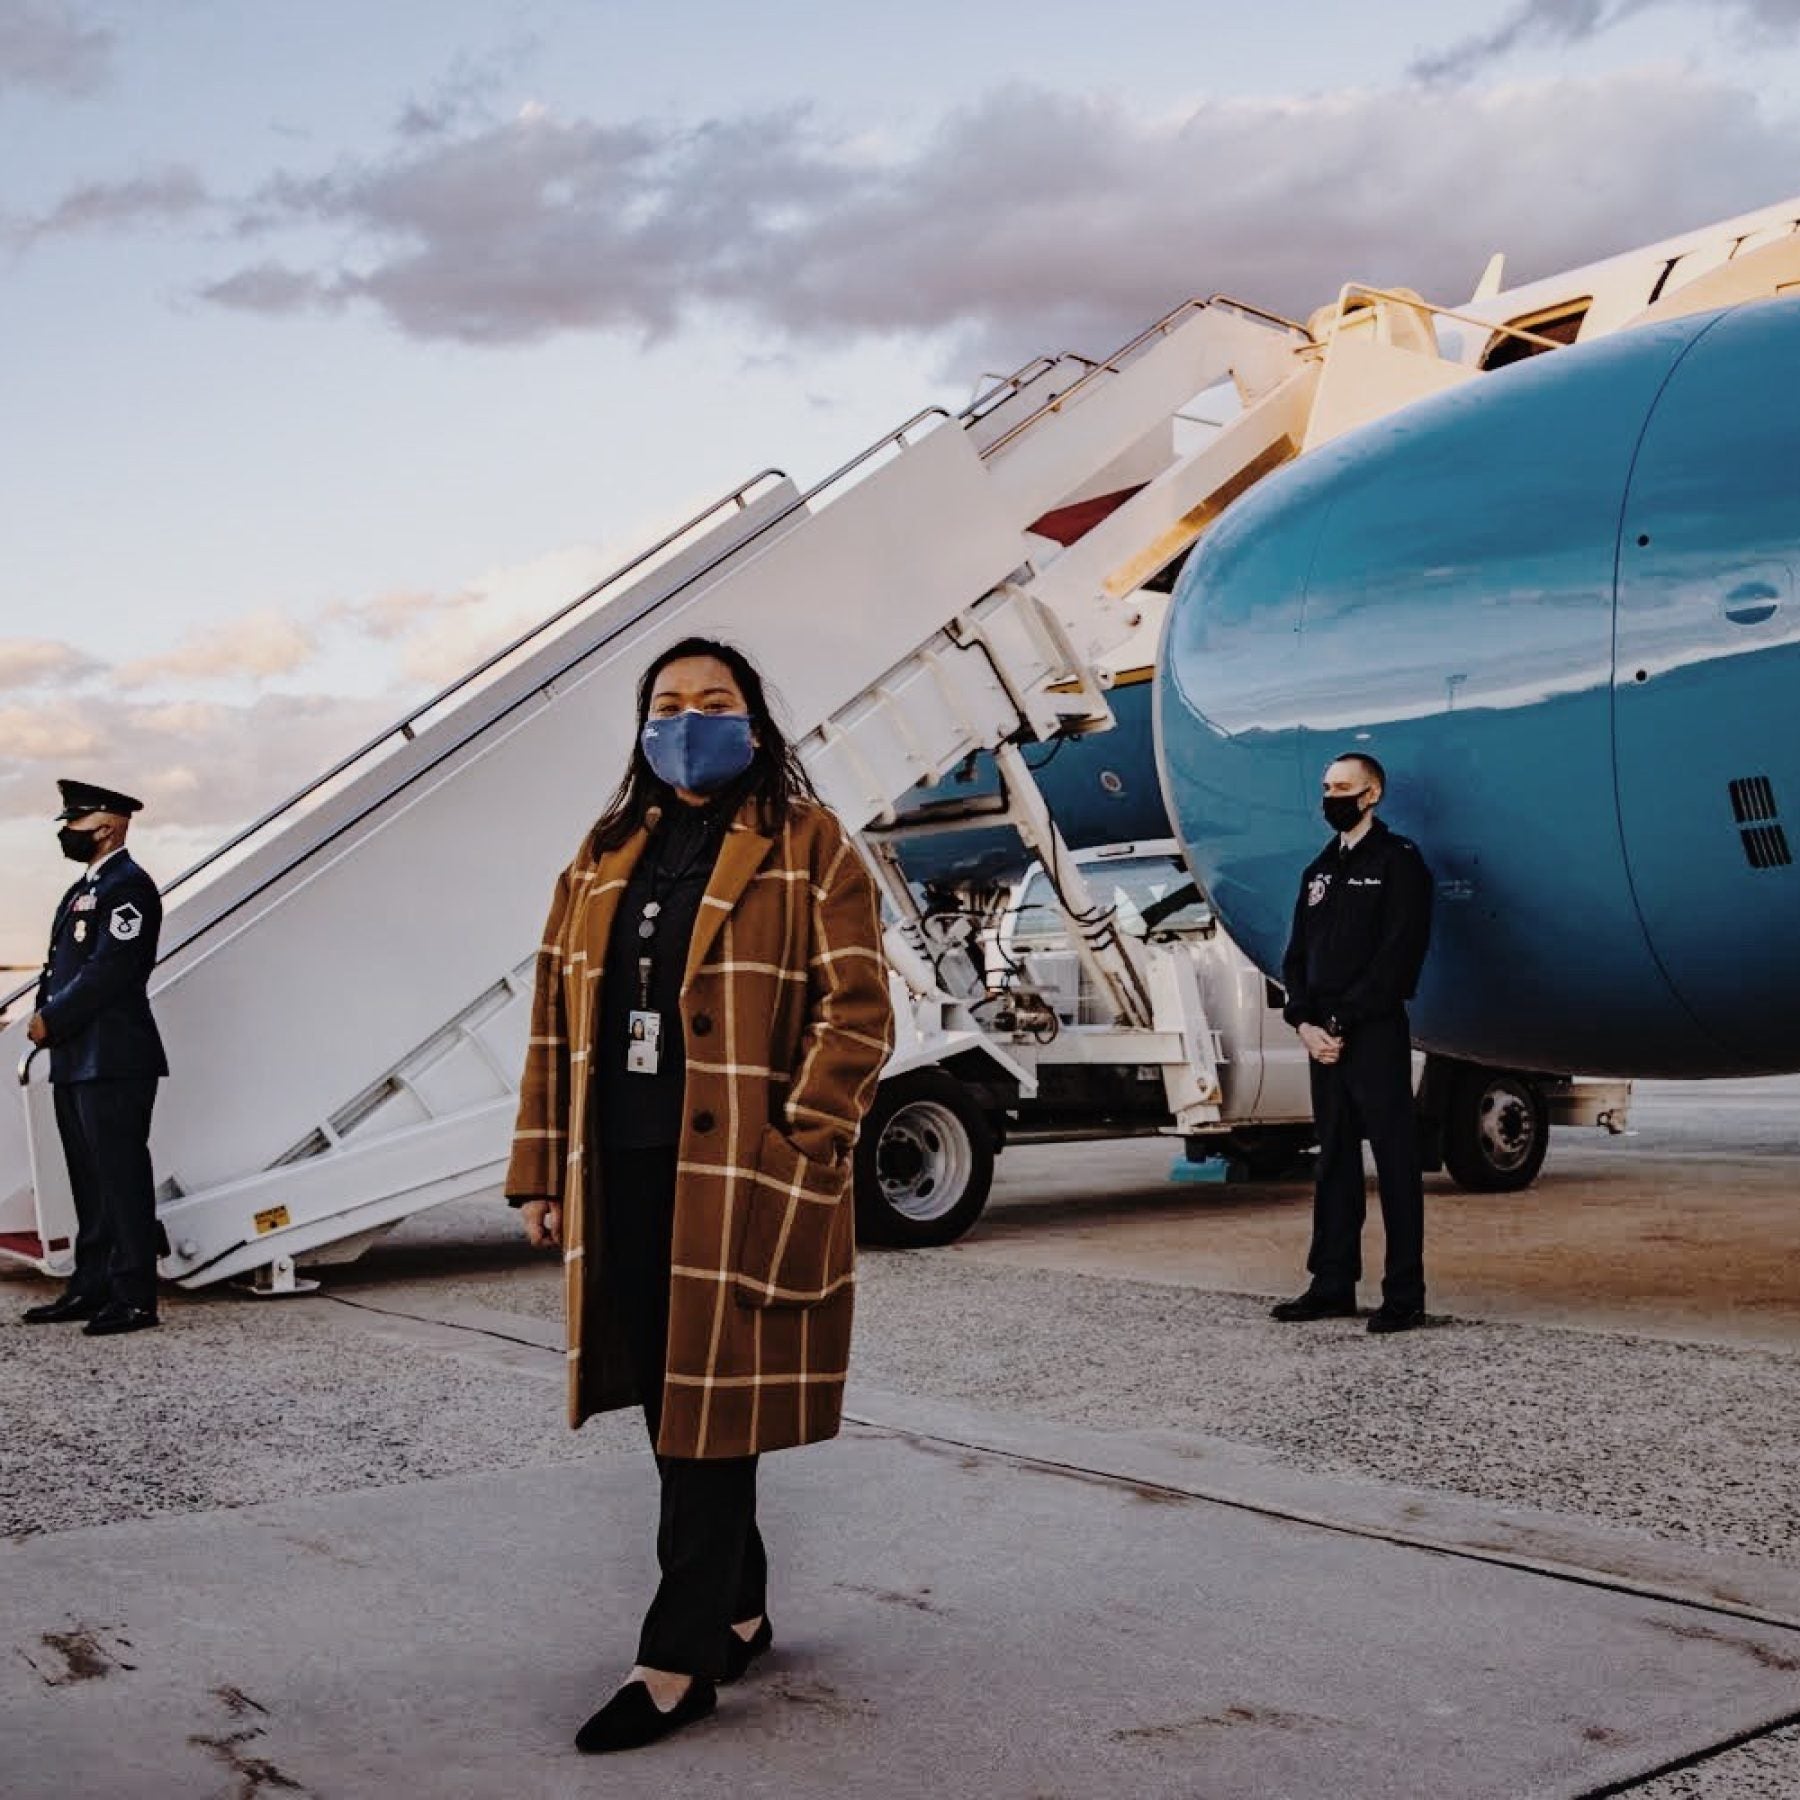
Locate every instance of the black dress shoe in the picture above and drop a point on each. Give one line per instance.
(1387, 1318)
(1314, 1305)
(114, 1318)
(631, 1719)
(741, 1652)
(64, 1306)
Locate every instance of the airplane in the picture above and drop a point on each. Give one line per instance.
(1558, 603)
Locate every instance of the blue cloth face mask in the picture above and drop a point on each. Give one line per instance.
(701, 752)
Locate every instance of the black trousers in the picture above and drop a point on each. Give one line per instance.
(1368, 1093)
(715, 1570)
(105, 1132)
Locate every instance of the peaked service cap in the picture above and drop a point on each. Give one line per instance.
(81, 797)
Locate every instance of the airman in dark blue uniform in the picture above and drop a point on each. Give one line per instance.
(106, 1057)
(1362, 924)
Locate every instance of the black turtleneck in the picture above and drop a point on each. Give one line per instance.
(636, 1111)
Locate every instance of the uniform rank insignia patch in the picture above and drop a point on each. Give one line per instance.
(126, 922)
(1315, 890)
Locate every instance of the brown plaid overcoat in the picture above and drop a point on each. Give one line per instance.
(786, 1022)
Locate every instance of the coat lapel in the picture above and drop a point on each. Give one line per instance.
(608, 888)
(740, 856)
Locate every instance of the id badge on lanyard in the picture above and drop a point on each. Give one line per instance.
(643, 1049)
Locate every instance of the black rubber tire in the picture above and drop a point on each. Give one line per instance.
(1496, 1130)
(912, 1113)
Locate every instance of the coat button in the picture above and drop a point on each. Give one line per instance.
(702, 1024)
(703, 1121)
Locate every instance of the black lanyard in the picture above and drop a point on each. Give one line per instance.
(662, 884)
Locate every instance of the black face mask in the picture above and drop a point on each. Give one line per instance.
(1343, 812)
(78, 846)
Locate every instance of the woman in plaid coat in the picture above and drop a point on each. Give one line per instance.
(710, 1019)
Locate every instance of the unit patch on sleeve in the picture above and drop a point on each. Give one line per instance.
(1315, 890)
(126, 922)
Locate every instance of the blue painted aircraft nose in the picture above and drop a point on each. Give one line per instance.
(1556, 603)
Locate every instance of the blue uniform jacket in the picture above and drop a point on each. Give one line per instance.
(93, 993)
(1361, 928)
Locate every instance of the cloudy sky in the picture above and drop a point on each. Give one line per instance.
(338, 341)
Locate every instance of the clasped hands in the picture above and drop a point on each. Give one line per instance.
(1321, 1046)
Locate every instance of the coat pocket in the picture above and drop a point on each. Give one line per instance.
(796, 1244)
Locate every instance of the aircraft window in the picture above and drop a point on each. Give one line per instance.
(1560, 324)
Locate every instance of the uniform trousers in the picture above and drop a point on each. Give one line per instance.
(715, 1569)
(1368, 1093)
(105, 1132)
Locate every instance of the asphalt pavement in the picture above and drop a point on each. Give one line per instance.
(1101, 1527)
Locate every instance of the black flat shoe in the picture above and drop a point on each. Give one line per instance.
(113, 1318)
(741, 1652)
(1387, 1318)
(1314, 1306)
(631, 1719)
(63, 1307)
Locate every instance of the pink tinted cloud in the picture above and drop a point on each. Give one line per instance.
(42, 662)
(259, 646)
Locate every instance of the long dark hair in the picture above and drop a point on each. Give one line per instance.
(774, 779)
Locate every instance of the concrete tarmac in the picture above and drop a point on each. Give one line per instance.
(953, 1620)
(1688, 1228)
(1103, 1529)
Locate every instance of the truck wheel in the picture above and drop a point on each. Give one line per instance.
(1496, 1131)
(924, 1162)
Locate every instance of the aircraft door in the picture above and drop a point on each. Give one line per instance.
(1706, 681)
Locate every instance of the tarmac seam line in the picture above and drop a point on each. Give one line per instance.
(1549, 1571)
(390, 1312)
(1693, 1760)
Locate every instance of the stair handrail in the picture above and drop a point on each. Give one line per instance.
(1006, 386)
(1418, 303)
(890, 439)
(1251, 310)
(1112, 365)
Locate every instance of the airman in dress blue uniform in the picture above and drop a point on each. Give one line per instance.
(1362, 926)
(106, 1057)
